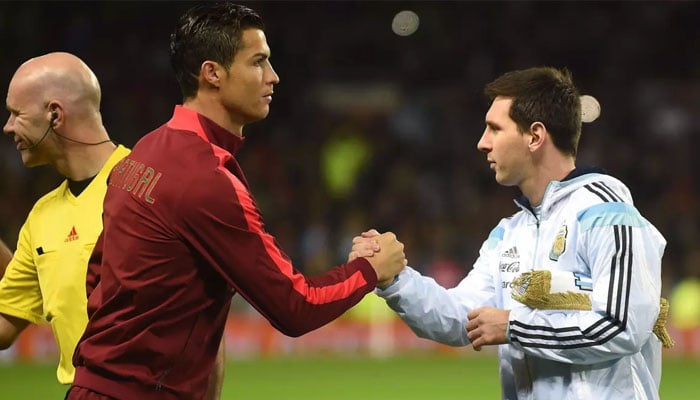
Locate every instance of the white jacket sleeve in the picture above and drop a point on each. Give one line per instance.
(623, 252)
(440, 314)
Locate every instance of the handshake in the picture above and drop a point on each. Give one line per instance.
(383, 251)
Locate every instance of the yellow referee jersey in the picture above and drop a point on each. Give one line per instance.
(45, 281)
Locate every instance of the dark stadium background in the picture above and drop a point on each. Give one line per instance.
(401, 114)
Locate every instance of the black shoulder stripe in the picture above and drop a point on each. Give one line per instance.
(613, 263)
(628, 275)
(596, 192)
(620, 269)
(607, 190)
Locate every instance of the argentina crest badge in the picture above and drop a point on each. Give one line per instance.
(559, 245)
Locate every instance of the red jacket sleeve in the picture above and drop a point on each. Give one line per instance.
(224, 226)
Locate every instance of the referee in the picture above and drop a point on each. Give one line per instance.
(54, 105)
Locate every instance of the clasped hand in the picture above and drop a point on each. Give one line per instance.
(383, 251)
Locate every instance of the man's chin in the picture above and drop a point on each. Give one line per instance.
(264, 113)
(257, 117)
(31, 162)
(504, 181)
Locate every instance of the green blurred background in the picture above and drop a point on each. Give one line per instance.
(425, 376)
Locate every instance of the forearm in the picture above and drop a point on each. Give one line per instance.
(295, 304)
(5, 257)
(216, 379)
(579, 337)
(10, 328)
(264, 275)
(427, 308)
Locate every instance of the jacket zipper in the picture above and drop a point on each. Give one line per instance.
(532, 268)
(159, 383)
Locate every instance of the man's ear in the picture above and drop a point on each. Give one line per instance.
(538, 135)
(210, 72)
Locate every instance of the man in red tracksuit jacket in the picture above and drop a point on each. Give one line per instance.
(182, 233)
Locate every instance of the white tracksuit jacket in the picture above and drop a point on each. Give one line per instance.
(587, 224)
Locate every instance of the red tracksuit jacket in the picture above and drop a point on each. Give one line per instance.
(182, 234)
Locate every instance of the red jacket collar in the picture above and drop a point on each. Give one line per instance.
(187, 119)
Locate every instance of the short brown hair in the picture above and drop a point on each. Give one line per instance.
(543, 94)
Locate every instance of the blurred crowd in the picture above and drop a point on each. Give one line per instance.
(371, 129)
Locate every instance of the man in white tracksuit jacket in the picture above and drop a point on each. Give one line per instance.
(570, 219)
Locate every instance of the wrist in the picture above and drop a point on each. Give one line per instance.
(387, 282)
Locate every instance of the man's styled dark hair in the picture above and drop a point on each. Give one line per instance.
(209, 31)
(543, 94)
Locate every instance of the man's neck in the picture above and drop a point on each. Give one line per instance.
(535, 187)
(84, 162)
(213, 110)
